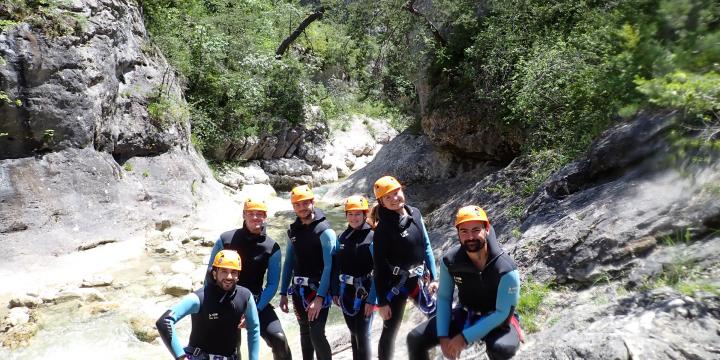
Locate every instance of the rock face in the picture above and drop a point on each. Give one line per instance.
(426, 170)
(633, 212)
(90, 88)
(80, 156)
(305, 155)
(471, 133)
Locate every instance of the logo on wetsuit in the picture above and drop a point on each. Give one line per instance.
(213, 316)
(458, 279)
(405, 233)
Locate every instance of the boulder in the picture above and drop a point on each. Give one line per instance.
(182, 266)
(27, 301)
(82, 294)
(98, 280)
(178, 285)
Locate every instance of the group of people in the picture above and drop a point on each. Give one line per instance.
(379, 262)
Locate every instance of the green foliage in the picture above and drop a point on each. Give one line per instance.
(146, 173)
(685, 276)
(165, 110)
(53, 17)
(516, 211)
(696, 94)
(532, 295)
(237, 87)
(128, 167)
(677, 237)
(7, 24)
(569, 69)
(546, 162)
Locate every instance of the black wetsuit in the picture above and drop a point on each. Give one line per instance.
(309, 255)
(353, 257)
(402, 242)
(259, 253)
(487, 302)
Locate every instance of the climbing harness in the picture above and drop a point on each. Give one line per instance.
(473, 317)
(419, 294)
(360, 292)
(199, 354)
(300, 283)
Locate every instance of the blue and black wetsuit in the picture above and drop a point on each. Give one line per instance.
(400, 242)
(353, 260)
(215, 315)
(487, 300)
(309, 257)
(258, 253)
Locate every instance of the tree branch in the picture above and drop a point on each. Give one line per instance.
(285, 44)
(410, 7)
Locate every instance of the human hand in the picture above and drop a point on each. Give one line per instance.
(369, 308)
(445, 347)
(336, 300)
(457, 345)
(433, 287)
(242, 323)
(385, 312)
(284, 304)
(314, 308)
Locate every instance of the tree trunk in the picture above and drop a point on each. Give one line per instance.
(318, 14)
(410, 7)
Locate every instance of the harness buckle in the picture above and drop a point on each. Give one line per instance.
(301, 281)
(396, 270)
(196, 352)
(361, 291)
(395, 290)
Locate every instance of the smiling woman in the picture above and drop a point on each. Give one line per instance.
(403, 261)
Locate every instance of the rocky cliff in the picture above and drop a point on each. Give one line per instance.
(94, 138)
(625, 238)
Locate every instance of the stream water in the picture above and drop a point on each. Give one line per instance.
(93, 330)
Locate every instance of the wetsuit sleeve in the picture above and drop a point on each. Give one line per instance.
(273, 279)
(335, 275)
(252, 325)
(287, 268)
(190, 304)
(508, 295)
(444, 301)
(372, 295)
(429, 257)
(328, 240)
(215, 249)
(380, 265)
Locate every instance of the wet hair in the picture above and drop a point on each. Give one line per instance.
(373, 217)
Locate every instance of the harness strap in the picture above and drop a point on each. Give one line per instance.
(196, 353)
(300, 283)
(360, 292)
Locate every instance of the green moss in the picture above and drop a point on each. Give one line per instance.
(532, 295)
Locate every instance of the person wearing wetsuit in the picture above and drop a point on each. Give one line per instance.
(308, 262)
(488, 286)
(216, 311)
(401, 253)
(352, 285)
(260, 253)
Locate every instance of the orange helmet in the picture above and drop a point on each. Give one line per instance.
(255, 204)
(356, 202)
(385, 185)
(471, 213)
(300, 193)
(227, 259)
